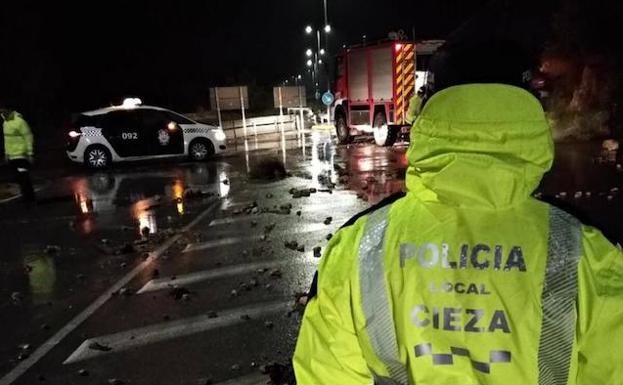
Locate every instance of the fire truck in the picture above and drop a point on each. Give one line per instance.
(374, 85)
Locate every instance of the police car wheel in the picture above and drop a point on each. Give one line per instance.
(97, 157)
(200, 150)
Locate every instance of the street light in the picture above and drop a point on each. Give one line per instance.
(309, 63)
(327, 28)
(309, 52)
(309, 29)
(322, 51)
(319, 61)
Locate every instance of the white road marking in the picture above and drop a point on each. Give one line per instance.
(48, 345)
(311, 228)
(229, 220)
(205, 275)
(123, 341)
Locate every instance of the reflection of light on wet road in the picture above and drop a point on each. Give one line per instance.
(178, 195)
(322, 157)
(42, 279)
(145, 216)
(223, 189)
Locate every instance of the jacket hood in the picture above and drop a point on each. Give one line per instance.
(479, 145)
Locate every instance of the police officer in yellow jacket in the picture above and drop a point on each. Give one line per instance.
(18, 149)
(468, 279)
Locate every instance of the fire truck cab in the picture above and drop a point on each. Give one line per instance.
(374, 85)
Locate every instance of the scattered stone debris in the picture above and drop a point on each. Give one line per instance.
(317, 252)
(45, 327)
(261, 270)
(17, 297)
(292, 245)
(269, 325)
(24, 346)
(254, 283)
(52, 249)
(114, 381)
(253, 223)
(178, 292)
(300, 193)
(235, 367)
(127, 248)
(268, 286)
(124, 291)
(205, 381)
(279, 374)
(276, 273)
(269, 196)
(328, 220)
(269, 228)
(99, 347)
(83, 372)
(212, 314)
(186, 297)
(22, 356)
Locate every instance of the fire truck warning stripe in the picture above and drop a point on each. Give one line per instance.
(399, 56)
(408, 68)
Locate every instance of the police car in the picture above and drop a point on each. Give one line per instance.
(133, 131)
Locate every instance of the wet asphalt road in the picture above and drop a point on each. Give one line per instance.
(185, 264)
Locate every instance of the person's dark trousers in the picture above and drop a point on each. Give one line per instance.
(21, 168)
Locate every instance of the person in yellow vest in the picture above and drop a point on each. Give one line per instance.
(466, 278)
(18, 150)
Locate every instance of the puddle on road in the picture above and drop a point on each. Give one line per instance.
(99, 197)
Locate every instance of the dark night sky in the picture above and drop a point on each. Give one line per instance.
(70, 56)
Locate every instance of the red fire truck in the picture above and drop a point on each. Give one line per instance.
(374, 85)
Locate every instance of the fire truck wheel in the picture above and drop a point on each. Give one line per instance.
(341, 128)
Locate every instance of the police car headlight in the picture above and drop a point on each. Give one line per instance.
(219, 135)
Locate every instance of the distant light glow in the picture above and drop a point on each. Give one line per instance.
(172, 126)
(74, 134)
(322, 51)
(309, 63)
(309, 52)
(398, 47)
(309, 29)
(319, 61)
(299, 76)
(327, 28)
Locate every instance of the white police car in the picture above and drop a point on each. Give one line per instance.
(133, 131)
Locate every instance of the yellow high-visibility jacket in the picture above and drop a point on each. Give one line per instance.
(468, 279)
(18, 141)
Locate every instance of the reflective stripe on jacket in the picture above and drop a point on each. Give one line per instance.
(467, 279)
(18, 140)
